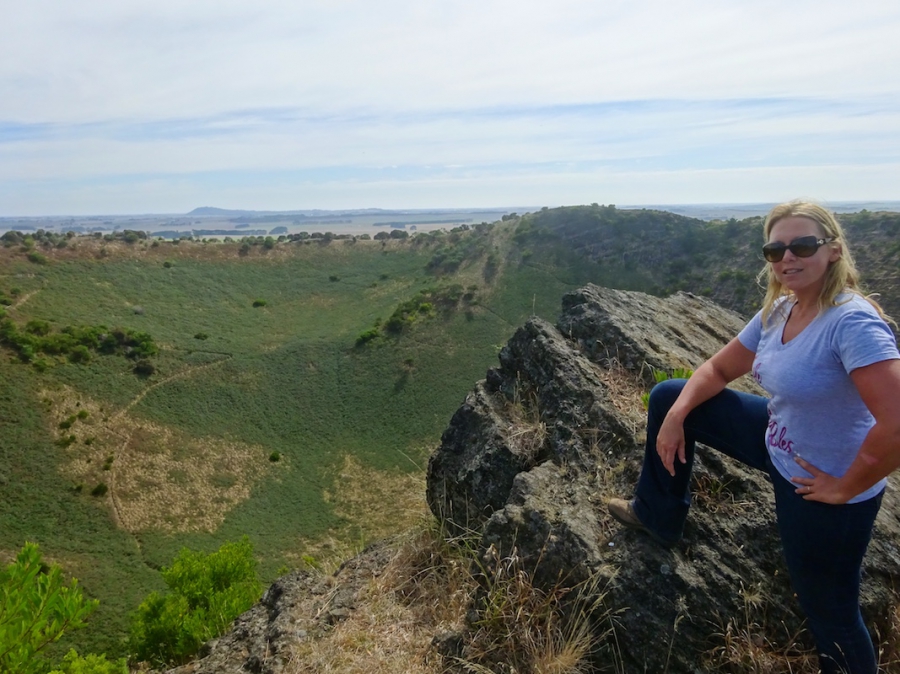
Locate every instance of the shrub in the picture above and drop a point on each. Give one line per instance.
(144, 368)
(395, 324)
(80, 354)
(37, 258)
(274, 457)
(206, 592)
(259, 303)
(90, 664)
(661, 376)
(201, 335)
(36, 607)
(100, 490)
(334, 278)
(37, 327)
(366, 336)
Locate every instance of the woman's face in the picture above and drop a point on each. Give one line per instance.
(802, 275)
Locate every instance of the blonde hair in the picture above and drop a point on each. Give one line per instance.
(841, 275)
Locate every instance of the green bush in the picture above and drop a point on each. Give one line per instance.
(661, 376)
(37, 327)
(206, 592)
(144, 368)
(90, 664)
(366, 336)
(201, 335)
(100, 490)
(75, 341)
(36, 607)
(259, 303)
(37, 258)
(80, 354)
(274, 457)
(167, 264)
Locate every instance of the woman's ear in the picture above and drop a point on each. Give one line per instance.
(836, 251)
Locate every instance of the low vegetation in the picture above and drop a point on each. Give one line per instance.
(206, 592)
(428, 588)
(75, 342)
(225, 387)
(36, 607)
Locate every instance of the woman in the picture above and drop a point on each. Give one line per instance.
(828, 435)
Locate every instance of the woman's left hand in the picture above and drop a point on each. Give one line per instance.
(820, 487)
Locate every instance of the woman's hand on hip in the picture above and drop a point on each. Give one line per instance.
(820, 487)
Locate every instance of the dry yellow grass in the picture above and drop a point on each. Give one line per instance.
(158, 478)
(526, 432)
(373, 504)
(427, 589)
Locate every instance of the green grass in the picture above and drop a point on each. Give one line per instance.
(286, 377)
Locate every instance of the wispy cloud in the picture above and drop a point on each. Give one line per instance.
(443, 104)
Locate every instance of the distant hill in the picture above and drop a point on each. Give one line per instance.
(317, 212)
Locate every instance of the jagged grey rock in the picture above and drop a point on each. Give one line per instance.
(301, 606)
(534, 451)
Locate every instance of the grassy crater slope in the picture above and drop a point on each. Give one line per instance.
(187, 455)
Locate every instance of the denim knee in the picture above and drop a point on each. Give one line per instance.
(664, 395)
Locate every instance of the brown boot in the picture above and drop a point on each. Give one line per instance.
(623, 512)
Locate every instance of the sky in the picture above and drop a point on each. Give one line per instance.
(133, 106)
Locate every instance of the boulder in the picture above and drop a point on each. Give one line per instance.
(540, 444)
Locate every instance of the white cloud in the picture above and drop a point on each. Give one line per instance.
(112, 92)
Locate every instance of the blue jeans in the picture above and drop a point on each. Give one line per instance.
(823, 544)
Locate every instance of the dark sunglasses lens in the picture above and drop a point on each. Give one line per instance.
(805, 247)
(773, 252)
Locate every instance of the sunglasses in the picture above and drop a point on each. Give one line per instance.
(805, 246)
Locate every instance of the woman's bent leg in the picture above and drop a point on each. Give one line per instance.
(731, 422)
(824, 546)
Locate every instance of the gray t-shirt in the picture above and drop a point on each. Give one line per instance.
(815, 410)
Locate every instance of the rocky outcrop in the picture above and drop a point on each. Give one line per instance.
(299, 607)
(527, 464)
(538, 446)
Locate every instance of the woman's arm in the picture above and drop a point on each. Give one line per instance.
(732, 361)
(879, 387)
